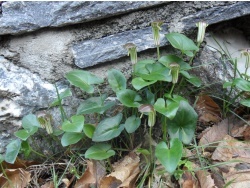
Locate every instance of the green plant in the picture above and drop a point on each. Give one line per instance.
(154, 96)
(239, 85)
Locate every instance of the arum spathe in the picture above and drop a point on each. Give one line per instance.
(132, 52)
(156, 27)
(174, 71)
(201, 31)
(246, 53)
(45, 121)
(149, 109)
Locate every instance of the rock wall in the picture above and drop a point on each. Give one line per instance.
(41, 41)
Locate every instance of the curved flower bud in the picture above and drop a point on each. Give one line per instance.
(45, 121)
(132, 52)
(174, 71)
(156, 27)
(201, 31)
(246, 53)
(149, 109)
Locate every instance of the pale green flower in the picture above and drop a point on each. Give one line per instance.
(246, 53)
(201, 31)
(132, 52)
(156, 27)
(174, 71)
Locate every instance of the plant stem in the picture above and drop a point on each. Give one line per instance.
(63, 114)
(171, 91)
(41, 155)
(158, 52)
(164, 129)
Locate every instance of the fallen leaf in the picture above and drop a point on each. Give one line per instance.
(66, 182)
(19, 163)
(232, 149)
(237, 179)
(18, 178)
(124, 173)
(246, 133)
(211, 136)
(205, 179)
(187, 180)
(207, 109)
(88, 178)
(216, 174)
(110, 182)
(49, 184)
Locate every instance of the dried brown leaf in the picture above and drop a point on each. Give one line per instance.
(19, 163)
(110, 182)
(18, 178)
(217, 132)
(49, 184)
(230, 149)
(205, 179)
(88, 178)
(246, 133)
(124, 172)
(187, 180)
(237, 178)
(208, 110)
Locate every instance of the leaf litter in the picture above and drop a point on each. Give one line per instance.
(223, 148)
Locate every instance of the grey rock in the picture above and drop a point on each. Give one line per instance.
(92, 52)
(21, 92)
(96, 51)
(19, 17)
(216, 14)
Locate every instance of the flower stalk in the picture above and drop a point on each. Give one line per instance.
(156, 27)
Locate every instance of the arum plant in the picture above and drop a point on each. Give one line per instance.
(132, 52)
(156, 28)
(246, 54)
(201, 32)
(159, 105)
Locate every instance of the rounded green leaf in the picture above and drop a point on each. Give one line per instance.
(195, 81)
(99, 152)
(83, 79)
(227, 84)
(184, 123)
(76, 124)
(132, 123)
(108, 129)
(242, 84)
(156, 72)
(169, 157)
(71, 138)
(89, 130)
(183, 43)
(168, 109)
(140, 66)
(116, 80)
(12, 151)
(168, 59)
(95, 105)
(30, 121)
(139, 83)
(22, 134)
(129, 98)
(245, 102)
